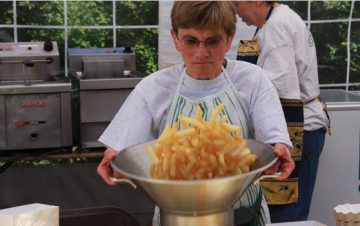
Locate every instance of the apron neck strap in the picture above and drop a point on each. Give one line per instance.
(181, 80)
(267, 17)
(182, 77)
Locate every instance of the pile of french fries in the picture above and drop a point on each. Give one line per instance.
(201, 150)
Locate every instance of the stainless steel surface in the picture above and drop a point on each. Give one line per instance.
(3, 135)
(225, 218)
(338, 178)
(103, 68)
(339, 96)
(97, 109)
(186, 199)
(298, 223)
(101, 106)
(123, 180)
(35, 101)
(77, 56)
(42, 123)
(340, 100)
(37, 120)
(29, 61)
(66, 119)
(107, 83)
(99, 101)
(39, 87)
(103, 78)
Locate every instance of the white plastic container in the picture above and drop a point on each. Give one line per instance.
(30, 215)
(347, 215)
(298, 223)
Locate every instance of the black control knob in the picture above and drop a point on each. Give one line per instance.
(28, 63)
(34, 136)
(48, 46)
(127, 49)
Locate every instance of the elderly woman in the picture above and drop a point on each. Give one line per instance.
(288, 52)
(202, 32)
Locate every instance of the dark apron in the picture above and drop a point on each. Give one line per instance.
(285, 191)
(249, 50)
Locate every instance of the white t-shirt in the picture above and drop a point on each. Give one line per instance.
(288, 51)
(143, 115)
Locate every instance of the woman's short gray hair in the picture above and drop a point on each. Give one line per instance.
(213, 15)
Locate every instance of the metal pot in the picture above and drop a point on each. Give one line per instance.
(191, 198)
(192, 201)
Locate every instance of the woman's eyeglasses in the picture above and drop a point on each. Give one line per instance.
(194, 43)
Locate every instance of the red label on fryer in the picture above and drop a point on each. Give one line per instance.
(33, 104)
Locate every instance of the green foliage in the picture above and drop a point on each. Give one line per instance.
(90, 13)
(90, 38)
(137, 12)
(6, 35)
(331, 51)
(40, 13)
(6, 15)
(87, 13)
(330, 38)
(46, 162)
(356, 12)
(323, 10)
(334, 53)
(145, 43)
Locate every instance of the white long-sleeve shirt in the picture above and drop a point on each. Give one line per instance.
(288, 51)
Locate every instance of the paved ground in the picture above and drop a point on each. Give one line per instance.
(70, 186)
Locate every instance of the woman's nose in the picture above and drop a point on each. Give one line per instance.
(202, 50)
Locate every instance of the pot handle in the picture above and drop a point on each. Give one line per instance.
(263, 176)
(123, 181)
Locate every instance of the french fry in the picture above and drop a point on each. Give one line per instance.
(216, 113)
(201, 150)
(154, 158)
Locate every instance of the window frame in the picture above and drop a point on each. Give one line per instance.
(65, 27)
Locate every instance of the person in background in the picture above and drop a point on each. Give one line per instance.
(202, 32)
(284, 46)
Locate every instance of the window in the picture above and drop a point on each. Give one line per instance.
(335, 26)
(85, 24)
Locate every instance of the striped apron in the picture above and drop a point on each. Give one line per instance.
(251, 208)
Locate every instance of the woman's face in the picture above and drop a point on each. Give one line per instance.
(246, 10)
(202, 50)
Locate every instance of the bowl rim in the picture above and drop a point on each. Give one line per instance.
(193, 181)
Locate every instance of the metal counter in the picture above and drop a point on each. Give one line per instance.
(338, 176)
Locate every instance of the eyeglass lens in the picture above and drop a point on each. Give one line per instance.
(211, 43)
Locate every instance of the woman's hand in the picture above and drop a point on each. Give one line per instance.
(105, 170)
(285, 163)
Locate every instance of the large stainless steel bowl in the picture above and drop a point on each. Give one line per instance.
(205, 196)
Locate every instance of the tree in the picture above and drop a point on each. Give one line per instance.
(88, 13)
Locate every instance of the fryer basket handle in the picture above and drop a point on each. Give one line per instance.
(263, 176)
(123, 181)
